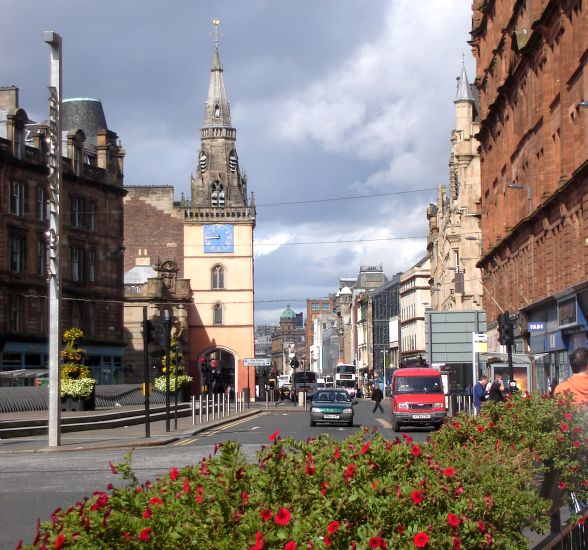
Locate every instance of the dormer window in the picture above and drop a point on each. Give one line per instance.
(18, 141)
(217, 196)
(217, 111)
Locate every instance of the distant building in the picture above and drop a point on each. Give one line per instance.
(91, 238)
(315, 308)
(288, 342)
(385, 310)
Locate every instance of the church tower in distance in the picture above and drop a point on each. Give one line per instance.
(219, 219)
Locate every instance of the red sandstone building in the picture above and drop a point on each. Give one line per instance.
(532, 76)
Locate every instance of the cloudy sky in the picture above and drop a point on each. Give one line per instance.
(343, 111)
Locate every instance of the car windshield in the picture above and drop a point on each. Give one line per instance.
(417, 384)
(337, 397)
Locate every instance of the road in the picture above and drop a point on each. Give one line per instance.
(32, 485)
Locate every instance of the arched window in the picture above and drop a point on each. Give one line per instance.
(218, 315)
(218, 277)
(217, 196)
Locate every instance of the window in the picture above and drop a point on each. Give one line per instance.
(218, 277)
(15, 313)
(75, 314)
(90, 319)
(76, 256)
(41, 257)
(42, 314)
(92, 266)
(75, 211)
(326, 306)
(40, 207)
(17, 198)
(218, 194)
(218, 315)
(17, 251)
(316, 307)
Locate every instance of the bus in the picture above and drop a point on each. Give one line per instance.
(346, 377)
(303, 380)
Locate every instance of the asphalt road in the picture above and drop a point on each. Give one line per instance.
(32, 485)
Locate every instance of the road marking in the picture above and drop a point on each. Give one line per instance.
(187, 441)
(256, 427)
(229, 425)
(384, 423)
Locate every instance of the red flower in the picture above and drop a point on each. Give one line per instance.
(199, 494)
(416, 450)
(417, 497)
(327, 540)
(350, 471)
(155, 500)
(245, 498)
(282, 516)
(453, 519)
(408, 438)
(309, 469)
(186, 485)
(449, 472)
(274, 436)
(60, 540)
(147, 512)
(421, 539)
(563, 427)
(173, 473)
(481, 525)
(459, 491)
(258, 541)
(100, 501)
(265, 515)
(377, 542)
(400, 529)
(365, 448)
(337, 453)
(568, 416)
(333, 527)
(562, 485)
(456, 543)
(325, 485)
(113, 468)
(488, 538)
(290, 545)
(480, 429)
(374, 485)
(146, 534)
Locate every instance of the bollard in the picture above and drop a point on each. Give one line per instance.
(200, 407)
(266, 401)
(206, 408)
(193, 410)
(213, 406)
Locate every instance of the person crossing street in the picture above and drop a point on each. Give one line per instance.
(377, 396)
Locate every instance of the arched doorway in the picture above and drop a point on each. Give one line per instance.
(220, 372)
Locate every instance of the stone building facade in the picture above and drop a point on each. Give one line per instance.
(91, 236)
(454, 221)
(532, 77)
(210, 237)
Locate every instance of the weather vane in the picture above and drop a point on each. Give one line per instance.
(216, 23)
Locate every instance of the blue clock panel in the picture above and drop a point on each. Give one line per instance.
(219, 238)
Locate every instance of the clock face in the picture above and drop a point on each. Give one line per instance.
(218, 238)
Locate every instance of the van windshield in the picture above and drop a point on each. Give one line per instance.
(417, 384)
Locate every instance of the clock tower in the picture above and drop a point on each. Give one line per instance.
(219, 219)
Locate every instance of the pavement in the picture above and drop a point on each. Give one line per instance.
(97, 429)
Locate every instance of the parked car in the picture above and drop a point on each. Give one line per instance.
(333, 406)
(417, 398)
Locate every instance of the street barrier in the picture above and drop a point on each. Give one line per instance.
(217, 406)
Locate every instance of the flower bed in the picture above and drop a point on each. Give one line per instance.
(473, 486)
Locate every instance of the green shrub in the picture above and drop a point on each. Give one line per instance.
(472, 486)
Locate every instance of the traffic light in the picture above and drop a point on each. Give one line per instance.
(505, 329)
(294, 363)
(148, 332)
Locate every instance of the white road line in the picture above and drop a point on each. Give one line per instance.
(384, 423)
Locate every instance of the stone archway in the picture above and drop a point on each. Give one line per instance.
(223, 374)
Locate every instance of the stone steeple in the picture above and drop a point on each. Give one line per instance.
(218, 182)
(464, 91)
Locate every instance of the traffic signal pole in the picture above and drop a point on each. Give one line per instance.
(146, 337)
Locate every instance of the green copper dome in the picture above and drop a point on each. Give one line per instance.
(288, 314)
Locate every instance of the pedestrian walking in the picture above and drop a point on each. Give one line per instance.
(577, 383)
(496, 389)
(377, 396)
(480, 393)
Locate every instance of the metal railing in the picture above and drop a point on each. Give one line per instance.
(216, 406)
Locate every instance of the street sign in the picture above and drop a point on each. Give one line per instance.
(259, 362)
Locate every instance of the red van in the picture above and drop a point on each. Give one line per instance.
(417, 398)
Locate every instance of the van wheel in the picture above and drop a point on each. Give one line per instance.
(312, 423)
(395, 425)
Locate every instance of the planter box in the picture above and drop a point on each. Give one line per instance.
(69, 404)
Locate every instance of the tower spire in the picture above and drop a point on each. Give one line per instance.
(217, 111)
(464, 92)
